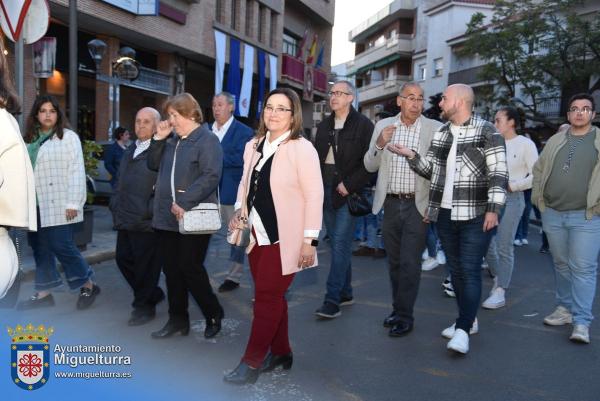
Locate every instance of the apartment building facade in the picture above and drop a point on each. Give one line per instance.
(176, 49)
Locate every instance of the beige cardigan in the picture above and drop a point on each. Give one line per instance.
(297, 189)
(17, 187)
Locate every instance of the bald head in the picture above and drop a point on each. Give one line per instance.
(457, 103)
(146, 121)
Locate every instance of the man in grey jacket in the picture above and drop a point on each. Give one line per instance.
(137, 243)
(404, 196)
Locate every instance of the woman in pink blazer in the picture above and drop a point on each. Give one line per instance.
(284, 193)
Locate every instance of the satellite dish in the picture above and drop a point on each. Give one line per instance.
(27, 19)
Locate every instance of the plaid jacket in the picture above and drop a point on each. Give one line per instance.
(482, 176)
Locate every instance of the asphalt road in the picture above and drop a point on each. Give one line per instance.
(351, 358)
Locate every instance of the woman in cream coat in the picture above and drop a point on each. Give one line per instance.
(17, 191)
(285, 200)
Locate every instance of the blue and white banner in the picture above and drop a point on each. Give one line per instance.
(261, 82)
(246, 91)
(273, 71)
(220, 50)
(233, 77)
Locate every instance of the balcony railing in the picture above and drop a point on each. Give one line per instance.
(394, 46)
(382, 89)
(467, 76)
(383, 13)
(292, 68)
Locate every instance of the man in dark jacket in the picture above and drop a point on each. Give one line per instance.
(342, 140)
(233, 136)
(137, 242)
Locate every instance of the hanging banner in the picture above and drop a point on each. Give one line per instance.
(44, 57)
(273, 71)
(220, 49)
(233, 76)
(261, 82)
(246, 91)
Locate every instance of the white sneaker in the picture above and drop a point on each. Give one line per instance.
(448, 332)
(429, 264)
(441, 257)
(518, 242)
(459, 342)
(495, 300)
(425, 254)
(580, 334)
(524, 242)
(559, 317)
(484, 264)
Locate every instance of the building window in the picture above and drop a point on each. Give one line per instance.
(391, 72)
(261, 23)
(422, 72)
(290, 44)
(438, 67)
(273, 38)
(380, 41)
(219, 11)
(249, 16)
(234, 9)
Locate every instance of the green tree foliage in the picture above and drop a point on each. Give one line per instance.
(546, 47)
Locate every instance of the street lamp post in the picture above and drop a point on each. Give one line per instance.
(124, 69)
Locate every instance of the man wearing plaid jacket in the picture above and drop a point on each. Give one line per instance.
(466, 164)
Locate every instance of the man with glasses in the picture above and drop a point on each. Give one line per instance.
(571, 218)
(341, 141)
(403, 195)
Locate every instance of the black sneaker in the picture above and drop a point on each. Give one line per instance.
(228, 285)
(87, 296)
(36, 302)
(328, 310)
(345, 301)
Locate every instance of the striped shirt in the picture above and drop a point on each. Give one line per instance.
(481, 174)
(402, 177)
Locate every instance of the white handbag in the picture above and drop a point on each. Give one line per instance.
(205, 218)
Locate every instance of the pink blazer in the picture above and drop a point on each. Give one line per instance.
(297, 189)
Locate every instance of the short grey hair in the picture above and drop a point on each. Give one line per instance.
(409, 85)
(349, 85)
(152, 111)
(228, 97)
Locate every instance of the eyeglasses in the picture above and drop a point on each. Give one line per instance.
(585, 110)
(275, 110)
(413, 99)
(338, 94)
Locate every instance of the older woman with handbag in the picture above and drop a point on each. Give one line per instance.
(283, 191)
(57, 159)
(189, 169)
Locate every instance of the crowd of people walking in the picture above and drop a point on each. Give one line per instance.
(456, 190)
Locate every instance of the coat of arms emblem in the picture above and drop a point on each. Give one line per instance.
(30, 355)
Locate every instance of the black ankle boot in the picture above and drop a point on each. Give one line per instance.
(272, 361)
(242, 374)
(172, 327)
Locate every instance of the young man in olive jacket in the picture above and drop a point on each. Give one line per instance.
(342, 140)
(131, 206)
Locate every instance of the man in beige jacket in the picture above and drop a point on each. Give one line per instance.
(404, 195)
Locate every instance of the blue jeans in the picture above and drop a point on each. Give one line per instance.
(523, 229)
(373, 224)
(465, 243)
(432, 240)
(574, 244)
(501, 252)
(57, 242)
(340, 228)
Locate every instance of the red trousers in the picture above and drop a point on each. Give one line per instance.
(270, 323)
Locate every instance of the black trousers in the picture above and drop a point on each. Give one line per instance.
(139, 261)
(404, 237)
(184, 269)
